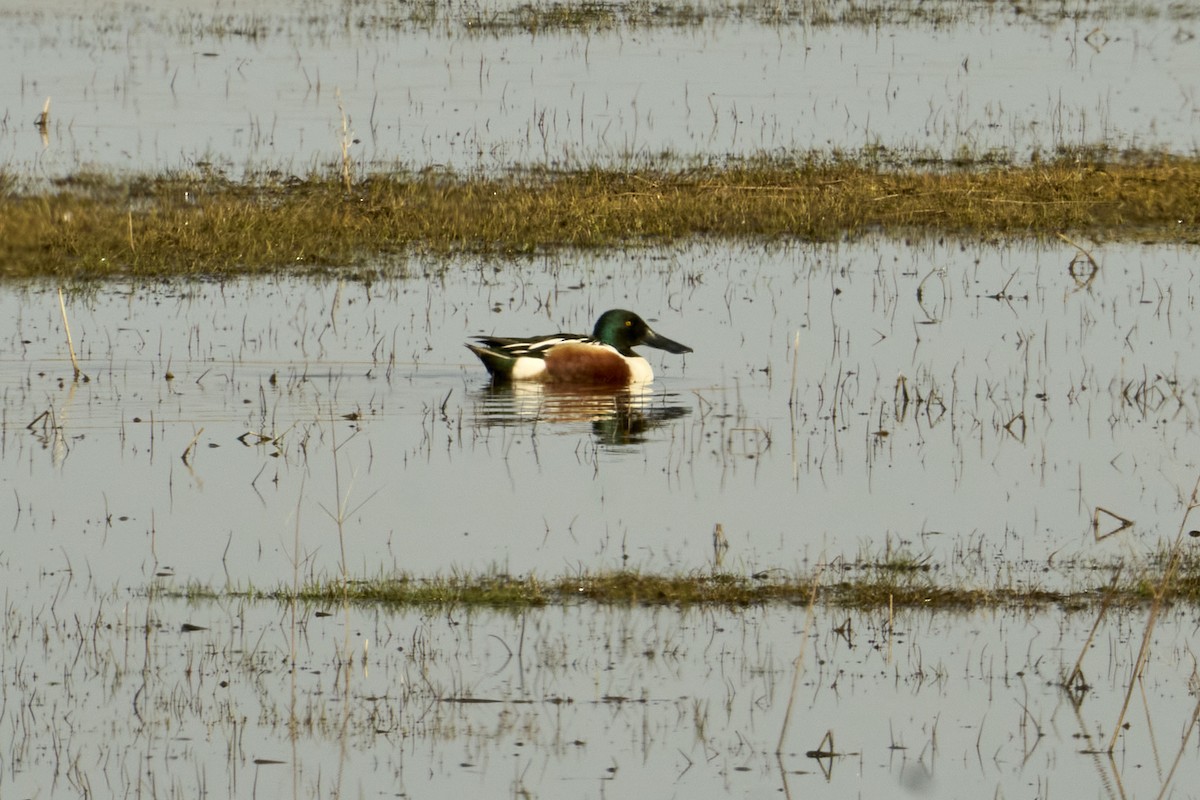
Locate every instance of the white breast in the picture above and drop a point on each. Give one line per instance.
(639, 370)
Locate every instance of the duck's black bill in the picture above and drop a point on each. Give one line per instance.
(663, 343)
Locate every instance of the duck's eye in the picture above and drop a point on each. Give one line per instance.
(628, 323)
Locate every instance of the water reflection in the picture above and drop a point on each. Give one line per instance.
(1057, 393)
(617, 416)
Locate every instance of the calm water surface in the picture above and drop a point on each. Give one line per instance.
(160, 698)
(157, 698)
(1032, 399)
(236, 86)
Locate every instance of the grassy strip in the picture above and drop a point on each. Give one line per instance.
(873, 586)
(96, 226)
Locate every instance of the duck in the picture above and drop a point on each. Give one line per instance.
(605, 358)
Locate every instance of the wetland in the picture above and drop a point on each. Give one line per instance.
(916, 517)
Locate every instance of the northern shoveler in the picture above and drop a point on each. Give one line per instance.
(605, 357)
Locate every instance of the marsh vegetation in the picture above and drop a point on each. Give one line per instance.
(96, 226)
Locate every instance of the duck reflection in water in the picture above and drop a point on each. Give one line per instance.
(618, 416)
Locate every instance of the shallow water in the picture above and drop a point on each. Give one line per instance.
(236, 87)
(1032, 400)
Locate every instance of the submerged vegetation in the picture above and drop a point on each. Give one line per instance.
(98, 226)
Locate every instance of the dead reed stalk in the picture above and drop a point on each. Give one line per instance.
(346, 181)
(62, 304)
(798, 664)
(1156, 607)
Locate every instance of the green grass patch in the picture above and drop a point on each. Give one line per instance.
(98, 226)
